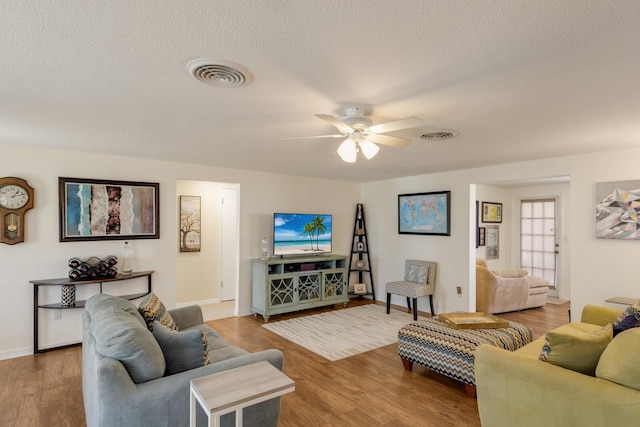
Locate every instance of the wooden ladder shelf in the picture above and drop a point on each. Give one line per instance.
(359, 261)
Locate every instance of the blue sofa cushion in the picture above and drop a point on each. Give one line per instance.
(120, 335)
(183, 350)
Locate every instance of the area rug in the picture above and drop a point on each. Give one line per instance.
(338, 334)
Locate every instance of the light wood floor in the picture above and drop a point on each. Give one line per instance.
(369, 389)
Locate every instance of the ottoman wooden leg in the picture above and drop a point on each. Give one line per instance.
(470, 389)
(408, 364)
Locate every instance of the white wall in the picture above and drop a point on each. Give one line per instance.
(198, 273)
(598, 269)
(42, 256)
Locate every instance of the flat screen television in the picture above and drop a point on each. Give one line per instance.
(301, 234)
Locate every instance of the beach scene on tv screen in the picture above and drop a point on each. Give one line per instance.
(295, 234)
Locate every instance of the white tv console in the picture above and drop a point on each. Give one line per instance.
(282, 285)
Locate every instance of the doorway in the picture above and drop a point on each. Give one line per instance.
(200, 275)
(539, 248)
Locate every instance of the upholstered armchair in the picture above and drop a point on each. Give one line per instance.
(508, 290)
(419, 280)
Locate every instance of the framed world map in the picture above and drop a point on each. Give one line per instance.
(425, 213)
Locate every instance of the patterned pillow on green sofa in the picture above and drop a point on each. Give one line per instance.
(627, 319)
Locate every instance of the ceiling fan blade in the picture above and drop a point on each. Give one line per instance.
(392, 141)
(335, 122)
(316, 137)
(408, 123)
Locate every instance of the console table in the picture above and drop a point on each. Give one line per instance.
(621, 300)
(79, 304)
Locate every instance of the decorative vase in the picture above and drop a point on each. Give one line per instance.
(127, 260)
(68, 295)
(263, 249)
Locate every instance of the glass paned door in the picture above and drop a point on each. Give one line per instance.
(538, 247)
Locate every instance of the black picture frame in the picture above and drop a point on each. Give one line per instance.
(491, 212)
(477, 224)
(482, 233)
(100, 209)
(425, 213)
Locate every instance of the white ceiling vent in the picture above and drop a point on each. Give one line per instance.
(438, 135)
(219, 73)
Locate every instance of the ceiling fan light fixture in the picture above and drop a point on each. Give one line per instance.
(369, 149)
(348, 151)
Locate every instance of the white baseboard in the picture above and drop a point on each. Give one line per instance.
(16, 352)
(201, 302)
(28, 351)
(245, 312)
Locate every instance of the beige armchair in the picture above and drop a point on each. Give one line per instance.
(508, 290)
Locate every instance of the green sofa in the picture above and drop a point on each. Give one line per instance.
(517, 389)
(126, 378)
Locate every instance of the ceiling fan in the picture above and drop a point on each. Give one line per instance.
(362, 135)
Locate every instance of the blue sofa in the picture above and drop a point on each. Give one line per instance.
(124, 381)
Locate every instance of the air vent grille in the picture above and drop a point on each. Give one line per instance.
(219, 73)
(439, 135)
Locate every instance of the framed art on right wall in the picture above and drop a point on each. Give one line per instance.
(617, 210)
(491, 212)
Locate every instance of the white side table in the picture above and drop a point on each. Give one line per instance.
(235, 389)
(621, 300)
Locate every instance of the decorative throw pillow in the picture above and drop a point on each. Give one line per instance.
(183, 350)
(625, 319)
(417, 274)
(576, 346)
(627, 323)
(152, 309)
(619, 361)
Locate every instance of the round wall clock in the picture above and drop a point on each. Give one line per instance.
(16, 198)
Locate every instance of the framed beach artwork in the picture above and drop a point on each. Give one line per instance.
(425, 213)
(98, 209)
(618, 210)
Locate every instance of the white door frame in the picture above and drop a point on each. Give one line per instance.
(229, 243)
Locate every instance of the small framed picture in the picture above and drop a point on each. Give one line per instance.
(491, 212)
(493, 242)
(360, 246)
(481, 236)
(360, 288)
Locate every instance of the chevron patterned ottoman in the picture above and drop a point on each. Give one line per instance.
(449, 351)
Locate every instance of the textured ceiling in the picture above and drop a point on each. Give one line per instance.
(518, 79)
